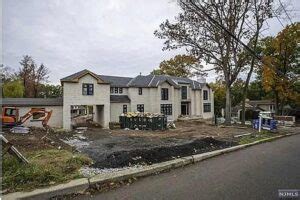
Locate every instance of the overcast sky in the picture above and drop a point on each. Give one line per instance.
(112, 37)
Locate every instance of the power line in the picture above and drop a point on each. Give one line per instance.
(225, 29)
(278, 19)
(285, 11)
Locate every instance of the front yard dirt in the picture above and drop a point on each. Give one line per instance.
(58, 156)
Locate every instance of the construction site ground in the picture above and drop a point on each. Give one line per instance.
(119, 148)
(104, 145)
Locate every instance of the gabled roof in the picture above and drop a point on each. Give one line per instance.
(32, 102)
(74, 78)
(119, 99)
(138, 81)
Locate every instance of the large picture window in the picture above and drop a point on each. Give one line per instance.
(183, 92)
(140, 107)
(206, 107)
(164, 94)
(87, 89)
(166, 109)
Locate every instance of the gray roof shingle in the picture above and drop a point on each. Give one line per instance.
(141, 81)
(116, 81)
(32, 101)
(119, 99)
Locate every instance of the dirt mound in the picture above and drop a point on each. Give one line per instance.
(159, 154)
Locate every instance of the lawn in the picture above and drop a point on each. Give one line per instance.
(257, 136)
(46, 167)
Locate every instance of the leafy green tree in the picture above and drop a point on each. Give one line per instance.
(281, 67)
(180, 65)
(205, 29)
(50, 91)
(219, 89)
(13, 89)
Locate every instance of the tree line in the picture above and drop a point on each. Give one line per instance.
(226, 35)
(30, 81)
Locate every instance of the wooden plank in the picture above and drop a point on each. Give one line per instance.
(13, 150)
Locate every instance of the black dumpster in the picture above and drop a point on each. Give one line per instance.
(144, 123)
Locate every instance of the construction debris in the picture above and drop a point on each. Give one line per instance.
(142, 114)
(20, 129)
(8, 147)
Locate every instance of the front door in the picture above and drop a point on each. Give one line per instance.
(184, 109)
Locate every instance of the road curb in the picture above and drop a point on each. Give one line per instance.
(82, 184)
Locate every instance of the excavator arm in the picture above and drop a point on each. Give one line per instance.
(45, 120)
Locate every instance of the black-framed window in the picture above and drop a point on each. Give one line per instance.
(140, 91)
(120, 90)
(206, 107)
(205, 95)
(166, 109)
(124, 108)
(183, 92)
(140, 107)
(116, 90)
(164, 94)
(87, 89)
(111, 90)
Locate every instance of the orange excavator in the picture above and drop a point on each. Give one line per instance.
(10, 116)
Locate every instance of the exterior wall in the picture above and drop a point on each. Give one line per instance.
(116, 109)
(208, 115)
(125, 92)
(106, 112)
(55, 120)
(72, 95)
(147, 96)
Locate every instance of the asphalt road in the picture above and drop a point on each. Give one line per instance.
(253, 173)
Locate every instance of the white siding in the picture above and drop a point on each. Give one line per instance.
(72, 95)
(116, 109)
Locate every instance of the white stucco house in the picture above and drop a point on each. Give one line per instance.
(111, 96)
(107, 97)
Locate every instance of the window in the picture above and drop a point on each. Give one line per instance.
(166, 109)
(120, 90)
(38, 115)
(10, 112)
(205, 95)
(140, 107)
(140, 91)
(116, 90)
(164, 94)
(206, 107)
(87, 89)
(183, 92)
(124, 108)
(111, 90)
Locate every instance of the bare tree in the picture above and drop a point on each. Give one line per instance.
(32, 76)
(213, 32)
